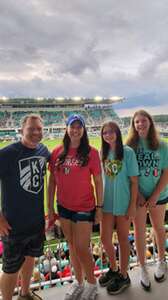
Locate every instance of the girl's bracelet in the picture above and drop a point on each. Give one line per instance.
(99, 206)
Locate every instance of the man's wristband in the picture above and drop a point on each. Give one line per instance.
(99, 206)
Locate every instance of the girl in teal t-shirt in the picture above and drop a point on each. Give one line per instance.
(152, 156)
(120, 195)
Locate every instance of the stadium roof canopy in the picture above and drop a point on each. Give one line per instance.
(61, 100)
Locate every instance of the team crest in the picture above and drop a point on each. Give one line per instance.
(32, 171)
(112, 167)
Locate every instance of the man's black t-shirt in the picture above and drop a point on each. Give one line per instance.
(22, 173)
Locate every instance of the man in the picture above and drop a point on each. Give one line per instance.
(22, 170)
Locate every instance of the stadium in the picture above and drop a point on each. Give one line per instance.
(54, 112)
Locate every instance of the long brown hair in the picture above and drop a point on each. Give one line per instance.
(152, 138)
(105, 147)
(82, 151)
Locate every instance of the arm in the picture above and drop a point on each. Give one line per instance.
(5, 157)
(163, 181)
(99, 196)
(141, 201)
(134, 194)
(51, 194)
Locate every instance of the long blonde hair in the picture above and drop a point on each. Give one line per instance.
(152, 138)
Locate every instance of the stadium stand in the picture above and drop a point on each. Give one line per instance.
(54, 113)
(53, 269)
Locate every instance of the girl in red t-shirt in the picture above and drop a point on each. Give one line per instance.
(73, 166)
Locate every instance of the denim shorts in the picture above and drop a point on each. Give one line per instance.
(76, 216)
(161, 202)
(16, 248)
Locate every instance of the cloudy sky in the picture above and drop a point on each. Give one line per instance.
(86, 48)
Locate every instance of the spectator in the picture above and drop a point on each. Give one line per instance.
(23, 166)
(152, 156)
(120, 195)
(72, 167)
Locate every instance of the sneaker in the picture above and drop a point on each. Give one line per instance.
(161, 270)
(74, 291)
(30, 296)
(107, 277)
(90, 292)
(144, 279)
(118, 284)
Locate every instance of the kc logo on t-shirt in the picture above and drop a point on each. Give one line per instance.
(32, 171)
(112, 167)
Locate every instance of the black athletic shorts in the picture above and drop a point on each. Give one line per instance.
(76, 216)
(16, 248)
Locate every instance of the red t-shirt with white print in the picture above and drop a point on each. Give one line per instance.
(73, 182)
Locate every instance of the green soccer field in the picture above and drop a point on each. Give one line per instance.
(51, 144)
(94, 141)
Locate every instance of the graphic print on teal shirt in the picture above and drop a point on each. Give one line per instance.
(117, 181)
(148, 162)
(151, 164)
(112, 167)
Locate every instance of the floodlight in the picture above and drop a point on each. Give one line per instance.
(98, 98)
(3, 98)
(116, 98)
(39, 98)
(60, 98)
(77, 98)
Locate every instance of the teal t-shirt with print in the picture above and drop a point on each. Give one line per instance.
(117, 181)
(151, 164)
